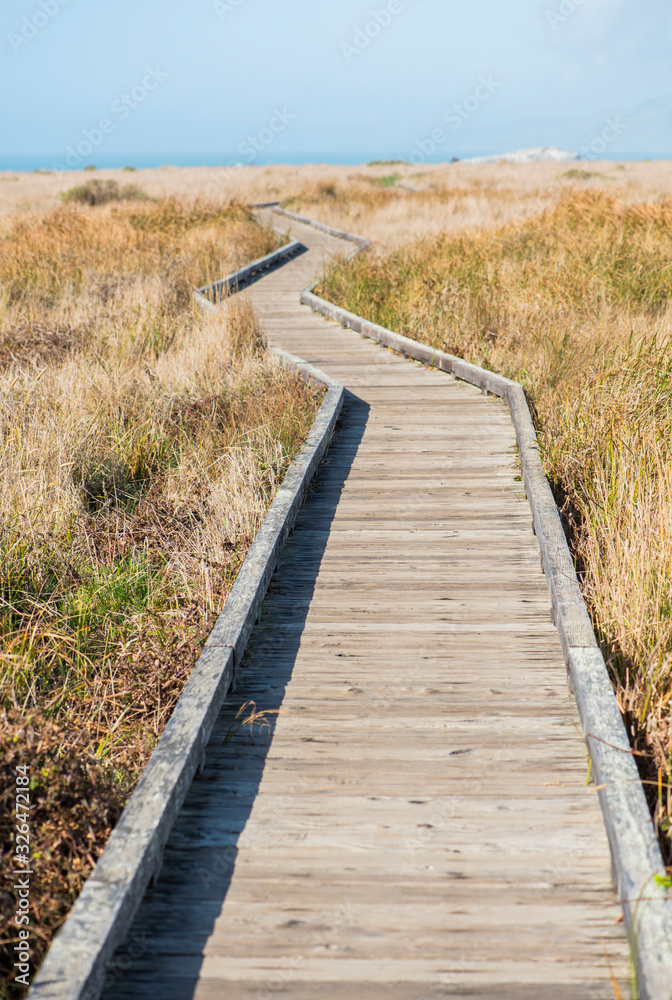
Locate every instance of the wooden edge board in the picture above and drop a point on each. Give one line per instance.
(340, 234)
(74, 968)
(243, 605)
(232, 281)
(637, 862)
(635, 854)
(485, 380)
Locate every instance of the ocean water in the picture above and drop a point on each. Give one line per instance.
(26, 162)
(47, 161)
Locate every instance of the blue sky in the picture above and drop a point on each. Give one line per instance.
(340, 81)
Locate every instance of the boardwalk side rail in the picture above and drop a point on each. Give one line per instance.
(341, 234)
(75, 965)
(637, 863)
(231, 282)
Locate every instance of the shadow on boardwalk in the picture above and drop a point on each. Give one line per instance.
(203, 849)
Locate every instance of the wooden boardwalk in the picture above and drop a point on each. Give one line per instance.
(416, 824)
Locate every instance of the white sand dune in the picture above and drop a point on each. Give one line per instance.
(538, 154)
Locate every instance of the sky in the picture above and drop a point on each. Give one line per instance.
(263, 81)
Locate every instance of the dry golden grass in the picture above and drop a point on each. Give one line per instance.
(142, 443)
(453, 196)
(576, 303)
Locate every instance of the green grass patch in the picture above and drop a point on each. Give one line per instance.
(386, 182)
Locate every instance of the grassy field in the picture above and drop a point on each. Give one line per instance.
(142, 443)
(361, 198)
(575, 303)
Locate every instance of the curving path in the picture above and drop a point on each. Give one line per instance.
(416, 823)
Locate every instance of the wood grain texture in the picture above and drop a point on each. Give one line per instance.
(415, 821)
